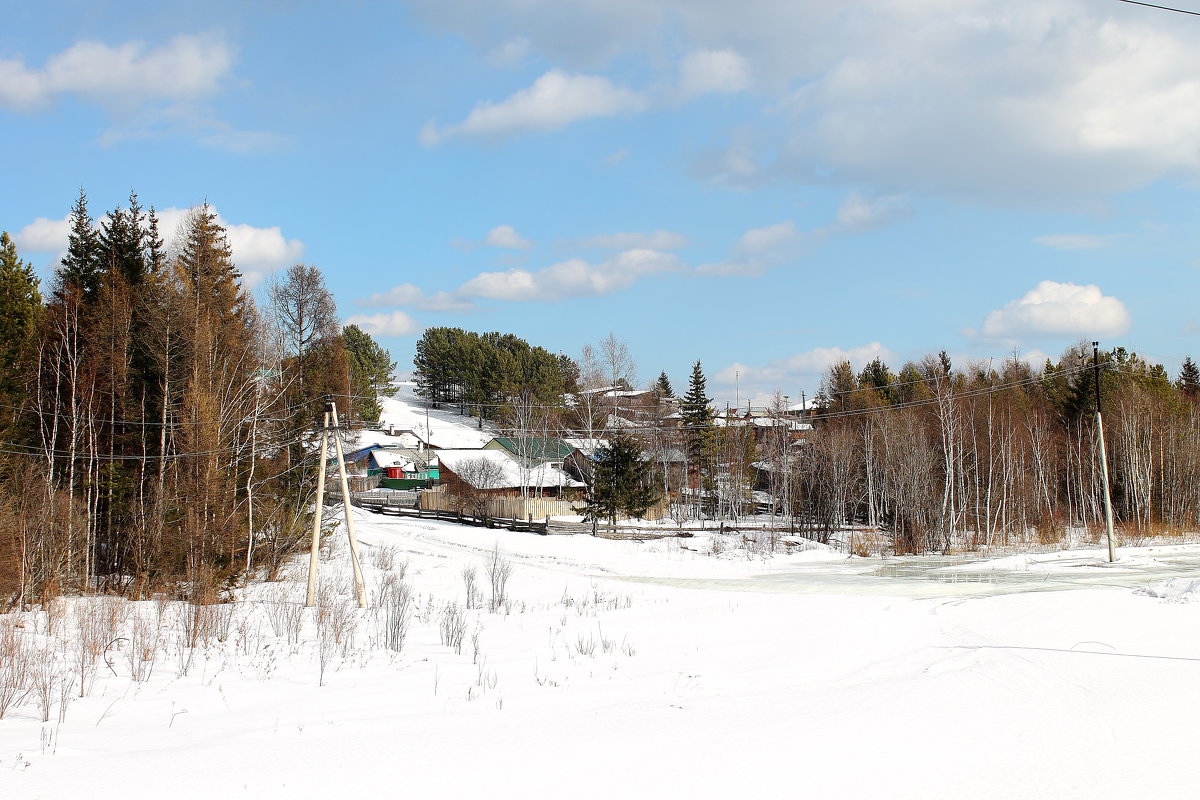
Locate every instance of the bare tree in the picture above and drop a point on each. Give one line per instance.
(477, 477)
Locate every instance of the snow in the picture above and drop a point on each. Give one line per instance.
(446, 428)
(509, 472)
(654, 669)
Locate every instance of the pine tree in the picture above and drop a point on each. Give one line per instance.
(20, 309)
(371, 369)
(621, 484)
(1189, 379)
(80, 270)
(662, 387)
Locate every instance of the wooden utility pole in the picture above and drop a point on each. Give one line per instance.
(1108, 512)
(311, 597)
(359, 590)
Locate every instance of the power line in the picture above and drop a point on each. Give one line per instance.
(1164, 8)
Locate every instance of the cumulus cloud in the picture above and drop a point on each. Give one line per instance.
(713, 72)
(571, 278)
(256, 251)
(801, 368)
(184, 67)
(757, 250)
(506, 236)
(392, 323)
(1059, 310)
(654, 240)
(554, 101)
(411, 296)
(44, 236)
(1074, 241)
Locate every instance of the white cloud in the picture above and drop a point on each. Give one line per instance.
(801, 368)
(757, 250)
(1060, 310)
(713, 72)
(771, 238)
(184, 67)
(505, 236)
(156, 122)
(572, 278)
(989, 99)
(510, 52)
(392, 323)
(256, 251)
(554, 101)
(44, 236)
(1074, 241)
(654, 240)
(408, 295)
(859, 212)
(616, 157)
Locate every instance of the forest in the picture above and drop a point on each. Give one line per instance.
(154, 416)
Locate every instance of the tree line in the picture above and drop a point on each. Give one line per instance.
(482, 371)
(932, 455)
(154, 416)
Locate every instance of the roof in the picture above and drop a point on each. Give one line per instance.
(510, 474)
(588, 446)
(535, 448)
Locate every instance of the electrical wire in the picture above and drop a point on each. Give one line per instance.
(1163, 8)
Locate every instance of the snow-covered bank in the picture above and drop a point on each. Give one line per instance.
(590, 685)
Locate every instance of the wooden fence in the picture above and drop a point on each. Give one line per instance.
(518, 508)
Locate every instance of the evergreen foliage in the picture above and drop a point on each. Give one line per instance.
(20, 311)
(697, 418)
(662, 386)
(79, 272)
(371, 370)
(621, 484)
(484, 370)
(1189, 378)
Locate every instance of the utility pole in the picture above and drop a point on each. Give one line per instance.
(328, 431)
(1108, 513)
(311, 597)
(359, 590)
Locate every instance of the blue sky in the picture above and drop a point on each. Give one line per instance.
(766, 186)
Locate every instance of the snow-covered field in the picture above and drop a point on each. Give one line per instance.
(656, 669)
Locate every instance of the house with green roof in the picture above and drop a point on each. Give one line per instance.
(532, 450)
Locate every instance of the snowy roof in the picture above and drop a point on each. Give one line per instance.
(390, 458)
(587, 445)
(510, 473)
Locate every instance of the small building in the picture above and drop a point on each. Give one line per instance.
(497, 474)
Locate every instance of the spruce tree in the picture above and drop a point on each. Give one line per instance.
(80, 270)
(662, 387)
(621, 483)
(1189, 379)
(697, 418)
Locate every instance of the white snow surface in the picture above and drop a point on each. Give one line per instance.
(443, 428)
(656, 670)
